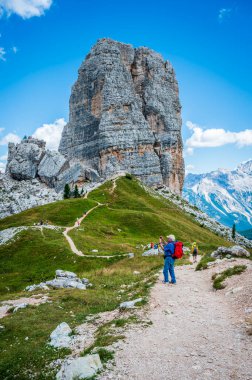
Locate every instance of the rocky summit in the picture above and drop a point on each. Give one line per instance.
(124, 118)
(125, 115)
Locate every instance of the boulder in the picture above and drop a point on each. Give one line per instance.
(50, 166)
(24, 158)
(236, 250)
(80, 368)
(64, 279)
(130, 304)
(60, 336)
(65, 274)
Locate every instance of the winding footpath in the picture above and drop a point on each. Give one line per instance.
(195, 335)
(76, 225)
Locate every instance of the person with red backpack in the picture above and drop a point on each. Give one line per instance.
(172, 250)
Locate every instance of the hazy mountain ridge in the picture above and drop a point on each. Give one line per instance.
(225, 195)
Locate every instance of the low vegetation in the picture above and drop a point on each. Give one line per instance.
(219, 278)
(128, 220)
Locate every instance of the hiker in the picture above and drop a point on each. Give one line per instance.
(169, 249)
(194, 251)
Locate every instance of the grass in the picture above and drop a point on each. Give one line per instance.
(129, 218)
(218, 278)
(132, 217)
(205, 259)
(61, 213)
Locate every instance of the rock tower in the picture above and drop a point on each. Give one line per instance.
(125, 115)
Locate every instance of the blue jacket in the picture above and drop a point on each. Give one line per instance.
(169, 249)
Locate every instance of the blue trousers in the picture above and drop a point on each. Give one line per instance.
(169, 268)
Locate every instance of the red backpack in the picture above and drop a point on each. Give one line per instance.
(178, 250)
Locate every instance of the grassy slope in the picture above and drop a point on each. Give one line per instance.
(131, 217)
(61, 213)
(34, 257)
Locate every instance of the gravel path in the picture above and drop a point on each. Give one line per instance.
(195, 335)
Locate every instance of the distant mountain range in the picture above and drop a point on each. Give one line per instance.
(225, 195)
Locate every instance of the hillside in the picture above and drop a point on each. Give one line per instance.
(126, 219)
(223, 194)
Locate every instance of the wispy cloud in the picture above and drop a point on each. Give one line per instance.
(24, 8)
(4, 157)
(51, 133)
(10, 137)
(224, 13)
(14, 49)
(2, 54)
(211, 138)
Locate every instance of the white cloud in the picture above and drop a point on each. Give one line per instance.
(224, 13)
(51, 133)
(1, 130)
(189, 168)
(10, 137)
(24, 8)
(2, 54)
(2, 167)
(4, 157)
(189, 151)
(211, 138)
(14, 49)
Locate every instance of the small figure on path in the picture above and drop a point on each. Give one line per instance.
(194, 251)
(169, 249)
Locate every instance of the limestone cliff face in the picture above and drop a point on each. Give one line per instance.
(125, 115)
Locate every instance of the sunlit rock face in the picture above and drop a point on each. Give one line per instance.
(125, 115)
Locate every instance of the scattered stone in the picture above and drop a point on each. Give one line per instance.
(131, 255)
(85, 281)
(248, 310)
(95, 250)
(130, 304)
(80, 368)
(60, 336)
(64, 279)
(20, 306)
(136, 272)
(151, 252)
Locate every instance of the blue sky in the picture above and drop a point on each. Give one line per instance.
(43, 42)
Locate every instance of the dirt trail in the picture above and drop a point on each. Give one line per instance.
(76, 225)
(195, 335)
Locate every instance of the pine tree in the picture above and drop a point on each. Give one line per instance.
(233, 231)
(76, 192)
(25, 137)
(66, 191)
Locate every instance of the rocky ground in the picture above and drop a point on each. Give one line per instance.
(17, 196)
(196, 332)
